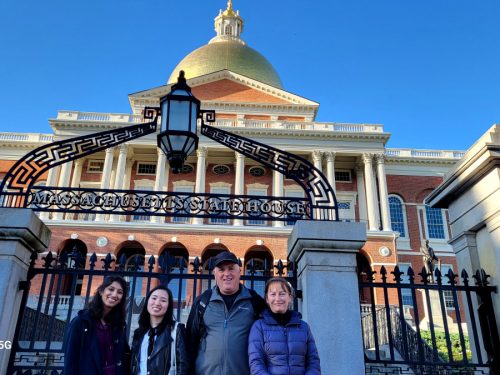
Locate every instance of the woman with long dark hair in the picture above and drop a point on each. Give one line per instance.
(95, 342)
(159, 344)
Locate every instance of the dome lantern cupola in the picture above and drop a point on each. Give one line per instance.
(228, 25)
(227, 51)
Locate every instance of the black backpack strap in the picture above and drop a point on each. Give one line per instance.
(202, 306)
(258, 304)
(195, 329)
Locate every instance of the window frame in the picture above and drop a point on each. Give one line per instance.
(141, 163)
(405, 292)
(227, 190)
(182, 188)
(257, 190)
(348, 171)
(91, 161)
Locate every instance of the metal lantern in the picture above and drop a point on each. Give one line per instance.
(179, 115)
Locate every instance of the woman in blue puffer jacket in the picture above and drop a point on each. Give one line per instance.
(280, 343)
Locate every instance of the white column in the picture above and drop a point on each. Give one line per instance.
(75, 182)
(371, 199)
(317, 157)
(106, 175)
(160, 180)
(239, 181)
(200, 176)
(77, 173)
(64, 180)
(360, 180)
(51, 181)
(383, 193)
(278, 191)
(120, 174)
(330, 169)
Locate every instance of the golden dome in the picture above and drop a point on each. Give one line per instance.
(231, 55)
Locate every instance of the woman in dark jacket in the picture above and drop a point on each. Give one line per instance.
(280, 342)
(95, 342)
(159, 344)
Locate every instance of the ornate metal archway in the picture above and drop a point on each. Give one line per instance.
(18, 187)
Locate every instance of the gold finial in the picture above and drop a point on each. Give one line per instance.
(229, 11)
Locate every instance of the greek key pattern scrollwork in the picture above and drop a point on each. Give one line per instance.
(30, 167)
(312, 180)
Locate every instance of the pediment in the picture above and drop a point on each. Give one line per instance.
(226, 86)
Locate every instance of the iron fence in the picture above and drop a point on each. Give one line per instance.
(57, 289)
(424, 327)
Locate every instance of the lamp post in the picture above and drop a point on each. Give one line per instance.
(179, 116)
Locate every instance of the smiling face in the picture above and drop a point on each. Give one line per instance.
(227, 277)
(158, 303)
(112, 295)
(278, 298)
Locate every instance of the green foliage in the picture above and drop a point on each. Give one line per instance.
(456, 347)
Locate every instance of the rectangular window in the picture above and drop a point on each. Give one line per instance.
(346, 211)
(397, 216)
(343, 176)
(95, 166)
(146, 168)
(219, 190)
(406, 294)
(137, 216)
(185, 201)
(293, 194)
(447, 294)
(257, 191)
(435, 224)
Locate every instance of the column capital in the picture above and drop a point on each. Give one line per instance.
(317, 155)
(110, 150)
(359, 167)
(330, 156)
(380, 158)
(79, 162)
(123, 148)
(202, 152)
(239, 156)
(367, 158)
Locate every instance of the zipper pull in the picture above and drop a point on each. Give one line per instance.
(225, 323)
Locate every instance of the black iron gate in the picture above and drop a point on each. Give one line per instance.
(56, 289)
(424, 327)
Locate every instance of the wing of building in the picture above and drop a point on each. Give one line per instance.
(385, 188)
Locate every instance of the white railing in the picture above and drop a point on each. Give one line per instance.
(301, 125)
(99, 117)
(26, 137)
(435, 154)
(239, 123)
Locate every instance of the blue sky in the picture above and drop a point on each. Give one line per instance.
(426, 69)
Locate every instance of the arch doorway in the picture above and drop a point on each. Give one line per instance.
(76, 253)
(363, 268)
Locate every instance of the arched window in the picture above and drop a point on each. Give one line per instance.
(76, 253)
(135, 254)
(258, 262)
(398, 215)
(175, 256)
(228, 30)
(434, 223)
